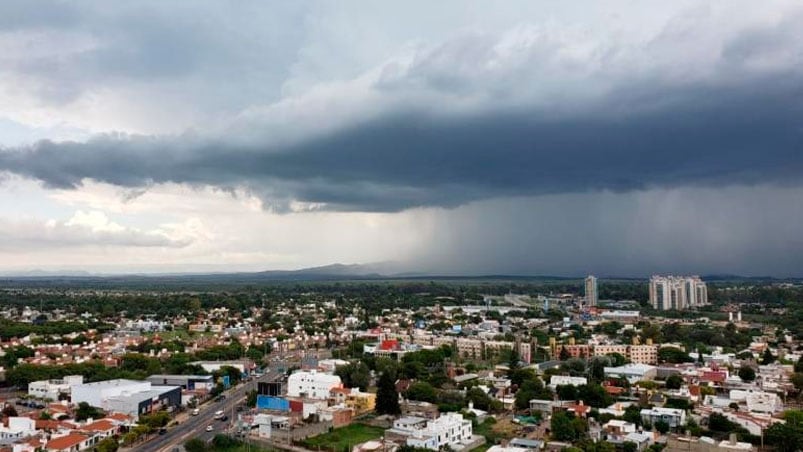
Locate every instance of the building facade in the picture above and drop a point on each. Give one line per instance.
(591, 290)
(677, 292)
(312, 384)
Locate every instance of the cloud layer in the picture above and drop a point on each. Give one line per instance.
(526, 112)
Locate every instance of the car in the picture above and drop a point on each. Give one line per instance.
(209, 428)
(162, 431)
(196, 412)
(224, 418)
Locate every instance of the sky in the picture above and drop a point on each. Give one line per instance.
(619, 138)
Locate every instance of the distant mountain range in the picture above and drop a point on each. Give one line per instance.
(333, 272)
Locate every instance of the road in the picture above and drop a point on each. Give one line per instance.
(195, 426)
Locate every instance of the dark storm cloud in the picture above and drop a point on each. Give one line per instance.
(744, 134)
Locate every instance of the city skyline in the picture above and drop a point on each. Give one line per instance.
(531, 138)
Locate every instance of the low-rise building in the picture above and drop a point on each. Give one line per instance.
(312, 384)
(129, 397)
(558, 380)
(188, 382)
(633, 373)
(672, 416)
(53, 389)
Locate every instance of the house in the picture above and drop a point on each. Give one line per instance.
(672, 416)
(267, 423)
(18, 427)
(618, 427)
(53, 389)
(526, 443)
(71, 442)
(419, 409)
(102, 428)
(449, 429)
(542, 406)
(559, 380)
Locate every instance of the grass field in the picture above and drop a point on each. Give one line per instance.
(343, 439)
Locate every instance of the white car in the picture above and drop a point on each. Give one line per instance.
(209, 428)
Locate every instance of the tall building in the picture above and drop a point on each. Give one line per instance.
(677, 292)
(591, 290)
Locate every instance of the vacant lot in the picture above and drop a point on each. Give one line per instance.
(343, 439)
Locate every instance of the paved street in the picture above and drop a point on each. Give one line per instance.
(194, 426)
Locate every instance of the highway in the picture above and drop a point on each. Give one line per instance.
(195, 426)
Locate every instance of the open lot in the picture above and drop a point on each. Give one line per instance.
(343, 439)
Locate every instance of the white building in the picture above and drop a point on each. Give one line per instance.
(448, 429)
(267, 423)
(677, 292)
(18, 427)
(130, 397)
(52, 389)
(244, 366)
(329, 365)
(558, 380)
(591, 290)
(633, 373)
(672, 416)
(312, 384)
(758, 401)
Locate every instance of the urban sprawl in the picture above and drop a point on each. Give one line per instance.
(675, 363)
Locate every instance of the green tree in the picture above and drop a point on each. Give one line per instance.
(767, 357)
(86, 411)
(107, 445)
(747, 373)
(251, 399)
(513, 362)
(255, 353)
(566, 392)
(799, 365)
(596, 370)
(673, 355)
(633, 414)
(154, 420)
(422, 392)
(594, 395)
(564, 354)
(617, 359)
(354, 375)
(662, 427)
(561, 427)
(387, 399)
(195, 445)
(674, 381)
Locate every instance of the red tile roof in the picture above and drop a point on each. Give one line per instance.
(103, 425)
(66, 442)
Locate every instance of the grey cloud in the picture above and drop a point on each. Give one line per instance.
(698, 135)
(538, 122)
